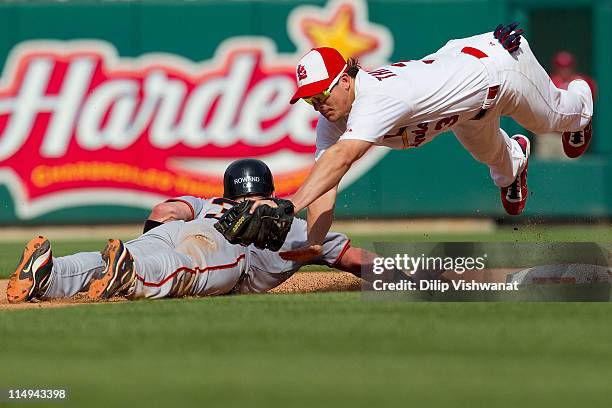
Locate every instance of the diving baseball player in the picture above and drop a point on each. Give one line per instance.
(466, 87)
(179, 254)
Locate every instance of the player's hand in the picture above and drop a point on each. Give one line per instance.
(259, 203)
(509, 36)
(266, 227)
(303, 254)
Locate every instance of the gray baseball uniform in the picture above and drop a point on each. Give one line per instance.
(191, 258)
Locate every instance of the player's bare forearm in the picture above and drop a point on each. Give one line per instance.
(355, 261)
(329, 170)
(320, 216)
(360, 262)
(171, 211)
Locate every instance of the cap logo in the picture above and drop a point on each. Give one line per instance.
(301, 72)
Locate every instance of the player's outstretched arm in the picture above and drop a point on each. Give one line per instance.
(329, 170)
(166, 212)
(321, 216)
(360, 262)
(325, 176)
(356, 260)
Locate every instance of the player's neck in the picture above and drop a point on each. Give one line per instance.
(352, 94)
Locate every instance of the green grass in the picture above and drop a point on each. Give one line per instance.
(331, 349)
(313, 350)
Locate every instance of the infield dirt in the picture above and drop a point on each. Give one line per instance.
(303, 282)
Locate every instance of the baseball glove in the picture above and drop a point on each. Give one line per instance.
(266, 227)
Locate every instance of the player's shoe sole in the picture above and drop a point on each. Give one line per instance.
(119, 275)
(514, 197)
(32, 275)
(576, 143)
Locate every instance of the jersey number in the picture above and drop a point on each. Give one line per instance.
(421, 131)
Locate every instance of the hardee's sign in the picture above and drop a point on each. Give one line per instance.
(81, 125)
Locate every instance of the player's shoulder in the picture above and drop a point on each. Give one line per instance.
(385, 82)
(199, 202)
(187, 197)
(375, 94)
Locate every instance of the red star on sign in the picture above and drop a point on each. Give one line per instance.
(339, 32)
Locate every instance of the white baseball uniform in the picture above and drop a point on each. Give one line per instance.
(464, 87)
(192, 258)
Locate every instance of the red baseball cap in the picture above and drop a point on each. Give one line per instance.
(316, 71)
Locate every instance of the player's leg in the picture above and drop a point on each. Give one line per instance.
(186, 258)
(147, 266)
(491, 145)
(531, 98)
(575, 142)
(506, 158)
(160, 270)
(46, 277)
(71, 274)
(142, 269)
(218, 264)
(202, 263)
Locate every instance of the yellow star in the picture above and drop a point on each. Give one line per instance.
(340, 32)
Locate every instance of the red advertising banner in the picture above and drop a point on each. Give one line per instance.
(79, 124)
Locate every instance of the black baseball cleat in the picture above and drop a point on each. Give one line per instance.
(32, 277)
(119, 276)
(514, 197)
(576, 143)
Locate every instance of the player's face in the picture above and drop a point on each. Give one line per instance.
(336, 104)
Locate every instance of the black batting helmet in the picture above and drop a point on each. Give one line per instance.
(247, 177)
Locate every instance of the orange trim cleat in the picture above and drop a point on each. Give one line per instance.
(32, 277)
(119, 275)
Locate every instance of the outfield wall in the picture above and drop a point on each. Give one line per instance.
(109, 107)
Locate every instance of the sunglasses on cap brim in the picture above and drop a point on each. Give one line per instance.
(322, 96)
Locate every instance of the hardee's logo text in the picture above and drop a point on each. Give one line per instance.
(77, 98)
(74, 115)
(81, 125)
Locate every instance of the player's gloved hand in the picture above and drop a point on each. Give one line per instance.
(509, 36)
(303, 254)
(265, 226)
